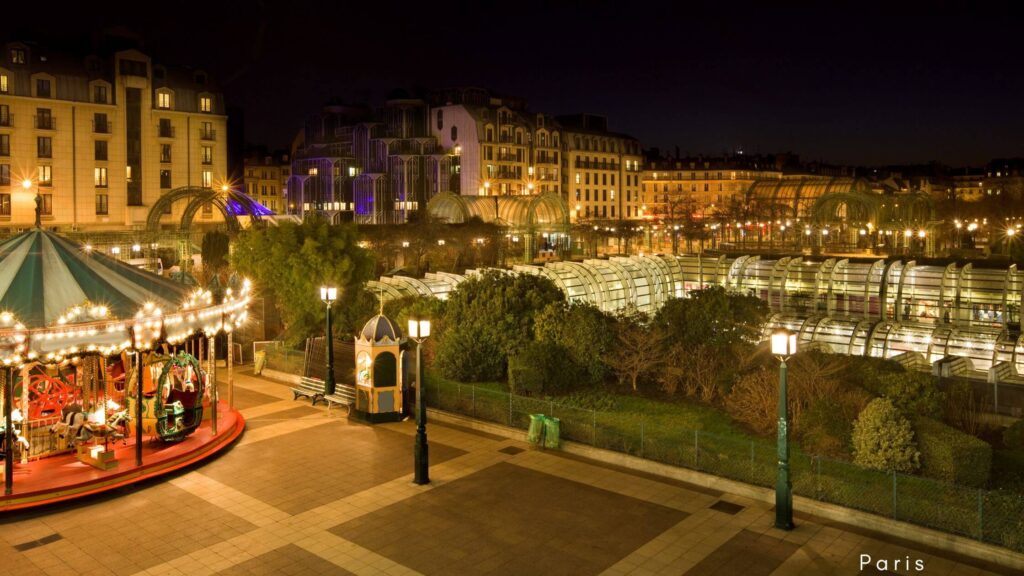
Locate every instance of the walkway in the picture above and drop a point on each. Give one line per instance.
(307, 493)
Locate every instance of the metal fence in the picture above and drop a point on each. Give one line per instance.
(283, 359)
(995, 517)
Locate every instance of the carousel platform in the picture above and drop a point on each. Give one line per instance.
(66, 477)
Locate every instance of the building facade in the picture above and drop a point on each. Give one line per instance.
(101, 138)
(701, 188)
(601, 170)
(266, 179)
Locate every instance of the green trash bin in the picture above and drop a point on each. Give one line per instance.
(552, 429)
(536, 432)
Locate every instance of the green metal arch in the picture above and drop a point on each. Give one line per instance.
(197, 196)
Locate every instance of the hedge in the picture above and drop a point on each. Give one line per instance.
(951, 455)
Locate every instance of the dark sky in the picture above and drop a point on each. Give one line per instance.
(845, 83)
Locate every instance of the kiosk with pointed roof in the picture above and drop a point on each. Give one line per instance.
(379, 377)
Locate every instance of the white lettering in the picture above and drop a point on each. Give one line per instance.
(865, 559)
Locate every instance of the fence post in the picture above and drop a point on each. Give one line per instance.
(696, 449)
(510, 409)
(551, 408)
(894, 494)
(981, 514)
(594, 435)
(474, 401)
(641, 435)
(752, 461)
(818, 478)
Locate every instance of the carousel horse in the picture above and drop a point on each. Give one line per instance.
(119, 422)
(71, 428)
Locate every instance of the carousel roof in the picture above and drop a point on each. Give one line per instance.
(43, 276)
(59, 299)
(380, 328)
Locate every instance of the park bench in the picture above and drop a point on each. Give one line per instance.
(312, 388)
(344, 394)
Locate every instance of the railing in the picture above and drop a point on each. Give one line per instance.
(995, 517)
(6, 120)
(597, 165)
(165, 131)
(207, 134)
(46, 123)
(101, 127)
(285, 360)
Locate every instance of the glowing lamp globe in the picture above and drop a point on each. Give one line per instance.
(328, 294)
(783, 343)
(419, 328)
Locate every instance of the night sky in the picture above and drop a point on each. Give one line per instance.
(852, 84)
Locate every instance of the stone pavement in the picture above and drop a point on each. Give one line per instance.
(304, 492)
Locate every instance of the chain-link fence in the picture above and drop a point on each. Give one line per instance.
(995, 517)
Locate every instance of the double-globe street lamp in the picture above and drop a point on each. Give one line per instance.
(419, 330)
(329, 294)
(783, 346)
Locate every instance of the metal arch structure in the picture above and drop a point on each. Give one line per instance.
(196, 197)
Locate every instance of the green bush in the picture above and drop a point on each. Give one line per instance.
(1013, 436)
(827, 429)
(542, 368)
(587, 333)
(883, 439)
(1008, 469)
(470, 355)
(951, 455)
(913, 393)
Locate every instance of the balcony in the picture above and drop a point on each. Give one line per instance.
(5, 121)
(208, 134)
(101, 127)
(165, 131)
(508, 158)
(46, 123)
(544, 159)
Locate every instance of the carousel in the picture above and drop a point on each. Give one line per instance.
(106, 371)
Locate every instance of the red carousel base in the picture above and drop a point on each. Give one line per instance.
(75, 475)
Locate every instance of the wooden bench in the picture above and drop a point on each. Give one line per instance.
(312, 388)
(344, 394)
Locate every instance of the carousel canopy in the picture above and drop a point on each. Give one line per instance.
(43, 276)
(59, 299)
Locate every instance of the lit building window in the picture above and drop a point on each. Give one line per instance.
(312, 171)
(100, 177)
(163, 100)
(45, 176)
(3, 83)
(207, 179)
(206, 104)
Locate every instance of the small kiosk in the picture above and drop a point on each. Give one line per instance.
(379, 378)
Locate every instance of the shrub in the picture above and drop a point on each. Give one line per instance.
(1008, 469)
(913, 393)
(1013, 436)
(754, 400)
(826, 429)
(587, 333)
(951, 455)
(541, 368)
(469, 355)
(883, 439)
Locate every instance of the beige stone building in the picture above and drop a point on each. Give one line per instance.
(705, 186)
(101, 138)
(266, 180)
(601, 170)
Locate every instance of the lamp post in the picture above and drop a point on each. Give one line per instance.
(329, 294)
(783, 346)
(419, 330)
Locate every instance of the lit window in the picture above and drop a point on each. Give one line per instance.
(207, 154)
(205, 104)
(207, 179)
(17, 56)
(312, 171)
(163, 100)
(100, 176)
(102, 204)
(45, 176)
(3, 83)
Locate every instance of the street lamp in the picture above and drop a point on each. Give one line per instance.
(783, 346)
(329, 294)
(419, 330)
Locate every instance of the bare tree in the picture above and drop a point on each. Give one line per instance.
(640, 350)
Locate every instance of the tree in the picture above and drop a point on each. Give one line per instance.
(639, 350)
(713, 317)
(291, 261)
(489, 317)
(586, 333)
(884, 440)
(215, 250)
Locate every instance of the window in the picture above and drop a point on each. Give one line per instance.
(42, 88)
(5, 174)
(207, 179)
(165, 178)
(101, 150)
(455, 133)
(17, 56)
(489, 135)
(263, 190)
(44, 121)
(5, 115)
(207, 154)
(100, 177)
(207, 131)
(44, 147)
(577, 177)
(4, 86)
(165, 152)
(46, 206)
(102, 204)
(45, 176)
(488, 153)
(205, 104)
(133, 68)
(706, 187)
(166, 130)
(100, 124)
(208, 209)
(5, 144)
(163, 100)
(99, 95)
(440, 119)
(5, 204)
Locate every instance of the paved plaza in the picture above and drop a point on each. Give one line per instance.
(307, 492)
